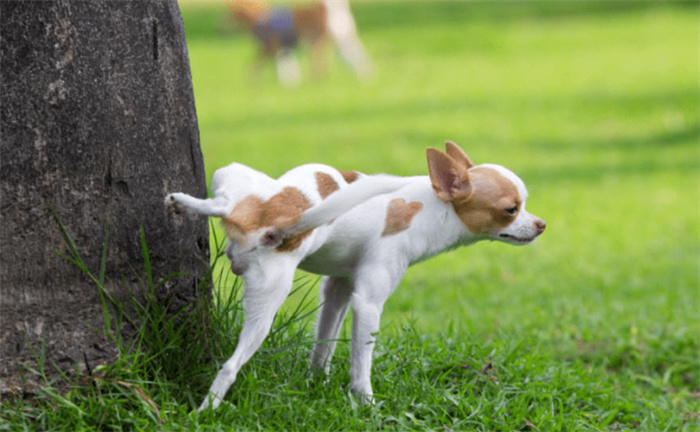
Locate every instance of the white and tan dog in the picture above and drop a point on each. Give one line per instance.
(360, 232)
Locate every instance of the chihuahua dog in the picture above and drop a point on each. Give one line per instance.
(361, 232)
(278, 29)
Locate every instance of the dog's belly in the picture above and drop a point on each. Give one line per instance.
(325, 264)
(334, 258)
(342, 246)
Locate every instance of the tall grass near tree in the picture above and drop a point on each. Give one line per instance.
(593, 327)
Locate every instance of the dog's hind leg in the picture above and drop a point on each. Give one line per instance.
(265, 289)
(183, 203)
(335, 299)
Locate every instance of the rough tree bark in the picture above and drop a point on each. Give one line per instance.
(97, 122)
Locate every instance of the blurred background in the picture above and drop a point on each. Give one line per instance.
(593, 104)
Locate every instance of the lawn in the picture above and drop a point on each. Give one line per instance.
(595, 326)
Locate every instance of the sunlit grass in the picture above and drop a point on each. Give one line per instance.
(593, 327)
(595, 107)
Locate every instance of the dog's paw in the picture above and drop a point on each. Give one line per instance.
(364, 395)
(174, 204)
(367, 400)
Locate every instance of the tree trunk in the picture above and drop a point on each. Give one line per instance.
(98, 123)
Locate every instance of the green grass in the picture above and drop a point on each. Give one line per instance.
(594, 327)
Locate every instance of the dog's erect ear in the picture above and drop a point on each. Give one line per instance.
(458, 154)
(450, 178)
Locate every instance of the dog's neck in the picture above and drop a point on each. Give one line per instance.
(435, 229)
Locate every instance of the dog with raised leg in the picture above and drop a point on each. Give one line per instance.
(361, 232)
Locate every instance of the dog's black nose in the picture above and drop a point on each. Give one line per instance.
(540, 225)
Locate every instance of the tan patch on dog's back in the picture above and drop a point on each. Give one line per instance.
(482, 212)
(244, 217)
(399, 215)
(282, 209)
(350, 176)
(326, 185)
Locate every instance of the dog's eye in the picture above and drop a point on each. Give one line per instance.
(511, 211)
(271, 238)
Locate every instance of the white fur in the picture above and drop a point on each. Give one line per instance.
(341, 26)
(361, 267)
(288, 69)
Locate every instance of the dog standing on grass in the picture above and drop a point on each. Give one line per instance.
(278, 29)
(361, 232)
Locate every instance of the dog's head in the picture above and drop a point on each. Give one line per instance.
(489, 199)
(254, 226)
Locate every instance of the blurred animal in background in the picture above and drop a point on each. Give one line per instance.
(279, 28)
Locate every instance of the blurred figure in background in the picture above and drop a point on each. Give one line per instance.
(279, 28)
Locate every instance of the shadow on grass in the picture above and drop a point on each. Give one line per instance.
(423, 106)
(415, 14)
(645, 157)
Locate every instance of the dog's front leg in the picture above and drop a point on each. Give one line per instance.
(372, 288)
(264, 294)
(335, 299)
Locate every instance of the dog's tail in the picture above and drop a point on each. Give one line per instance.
(343, 200)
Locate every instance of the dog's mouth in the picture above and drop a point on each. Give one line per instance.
(517, 240)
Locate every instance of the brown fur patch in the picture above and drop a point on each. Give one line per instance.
(310, 21)
(399, 215)
(350, 176)
(243, 218)
(281, 210)
(326, 184)
(291, 243)
(483, 211)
